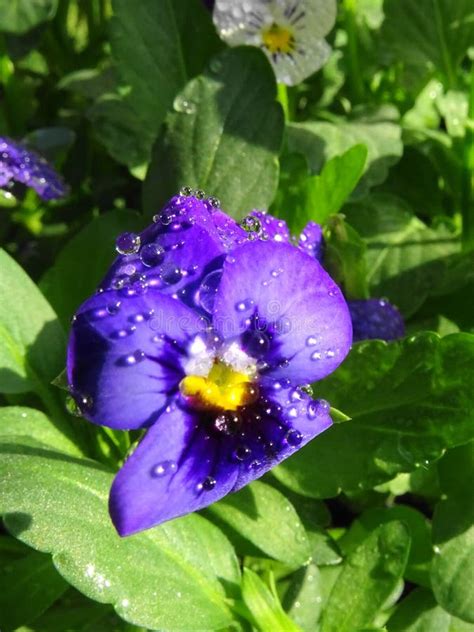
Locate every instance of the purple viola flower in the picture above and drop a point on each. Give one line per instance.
(204, 333)
(19, 164)
(376, 318)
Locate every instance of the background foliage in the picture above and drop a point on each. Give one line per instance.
(371, 526)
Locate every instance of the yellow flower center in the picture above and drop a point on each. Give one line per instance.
(223, 389)
(278, 39)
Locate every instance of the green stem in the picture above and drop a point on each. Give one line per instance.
(282, 97)
(467, 188)
(355, 74)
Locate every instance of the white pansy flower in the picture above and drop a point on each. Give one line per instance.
(290, 32)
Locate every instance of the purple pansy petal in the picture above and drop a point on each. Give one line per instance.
(125, 356)
(375, 318)
(183, 464)
(187, 242)
(311, 240)
(301, 307)
(19, 164)
(273, 228)
(170, 473)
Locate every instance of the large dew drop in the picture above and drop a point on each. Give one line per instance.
(207, 292)
(127, 244)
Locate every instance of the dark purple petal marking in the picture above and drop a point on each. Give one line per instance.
(185, 462)
(125, 355)
(376, 318)
(301, 308)
(19, 164)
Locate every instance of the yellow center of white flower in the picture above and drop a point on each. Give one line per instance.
(278, 39)
(224, 388)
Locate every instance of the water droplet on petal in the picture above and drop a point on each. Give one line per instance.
(113, 308)
(131, 359)
(208, 483)
(165, 468)
(199, 194)
(170, 274)
(252, 226)
(228, 423)
(306, 388)
(311, 341)
(152, 255)
(316, 355)
(214, 202)
(207, 292)
(127, 244)
(242, 453)
(294, 438)
(243, 306)
(186, 191)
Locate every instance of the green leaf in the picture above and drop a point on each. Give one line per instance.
(97, 237)
(408, 401)
(320, 141)
(419, 612)
(19, 16)
(303, 597)
(156, 54)
(33, 577)
(166, 577)
(317, 197)
(433, 33)
(345, 257)
(264, 605)
(253, 513)
(75, 613)
(28, 422)
(406, 260)
(31, 338)
(453, 565)
(421, 552)
(367, 579)
(223, 137)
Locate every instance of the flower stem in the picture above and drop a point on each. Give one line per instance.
(355, 74)
(467, 187)
(282, 98)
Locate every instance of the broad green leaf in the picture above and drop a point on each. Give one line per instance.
(452, 570)
(421, 552)
(320, 141)
(31, 338)
(264, 605)
(263, 516)
(85, 260)
(406, 260)
(28, 586)
(345, 257)
(453, 534)
(223, 137)
(456, 471)
(367, 579)
(75, 613)
(19, 16)
(419, 612)
(317, 197)
(28, 422)
(303, 597)
(118, 127)
(166, 577)
(429, 33)
(156, 53)
(408, 401)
